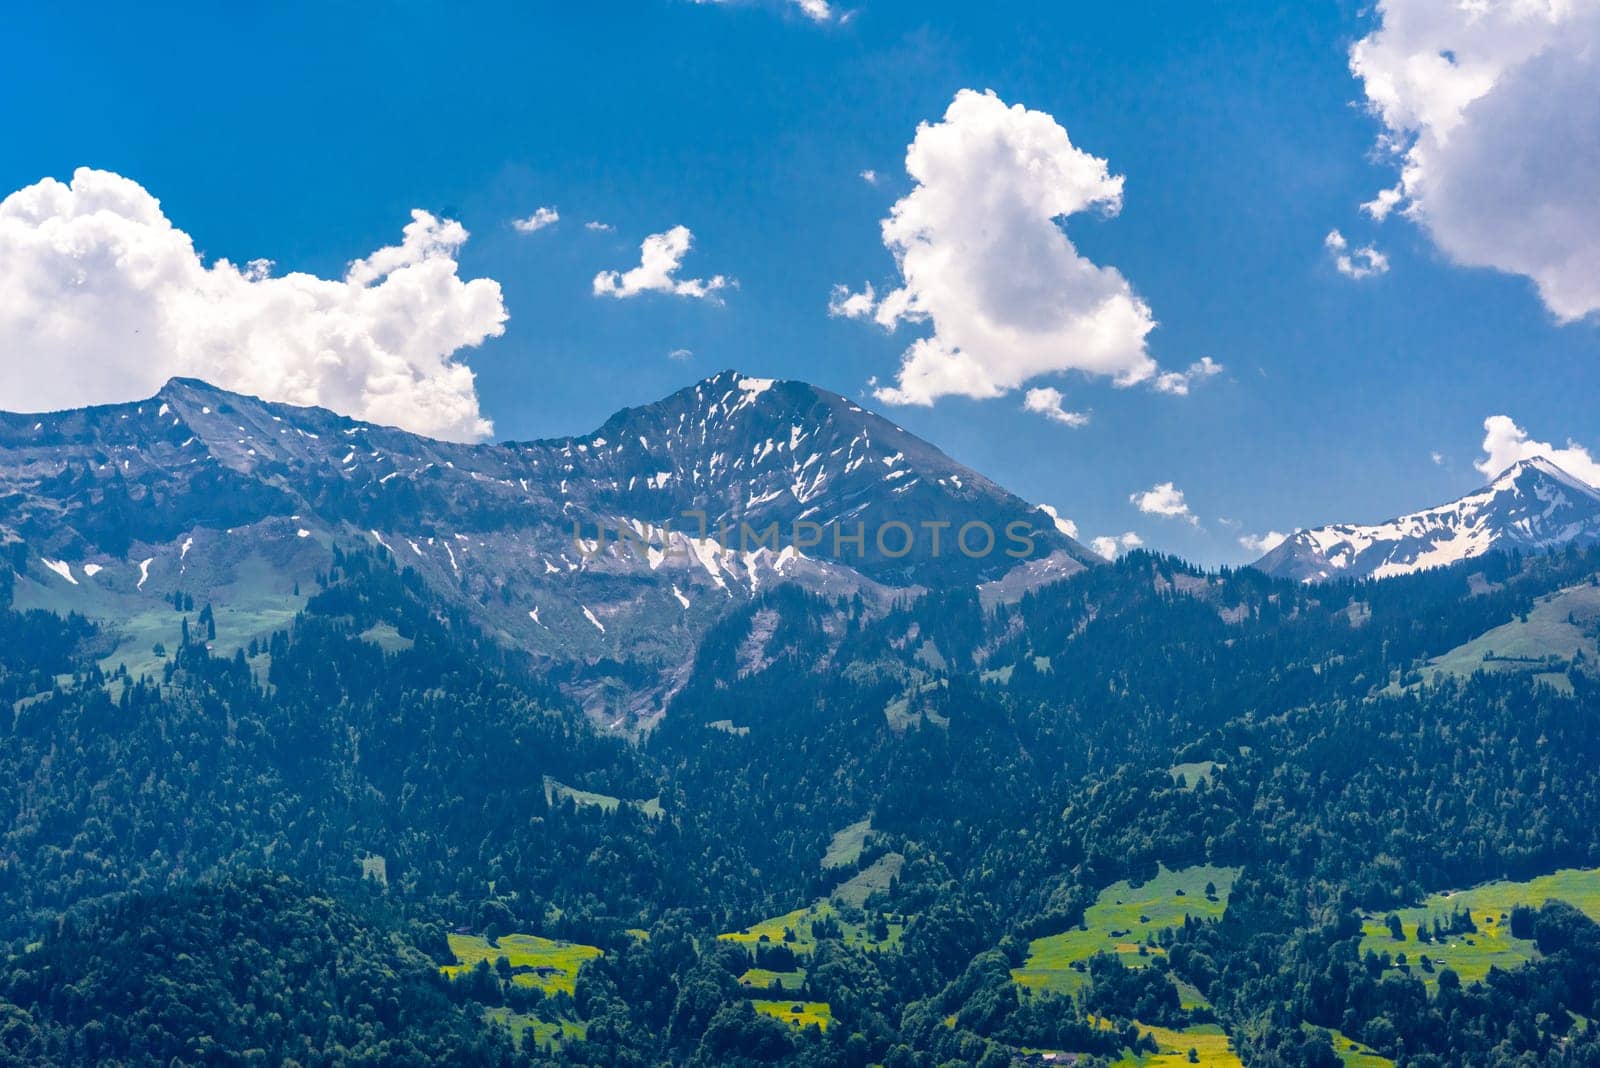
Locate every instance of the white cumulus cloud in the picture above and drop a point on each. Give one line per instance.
(1165, 500)
(1263, 543)
(984, 259)
(1505, 443)
(1492, 108)
(1113, 546)
(660, 256)
(541, 218)
(815, 10)
(1048, 402)
(1363, 262)
(1178, 382)
(102, 300)
(1062, 523)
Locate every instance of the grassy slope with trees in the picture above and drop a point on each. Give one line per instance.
(1341, 782)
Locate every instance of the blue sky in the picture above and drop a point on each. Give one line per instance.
(307, 134)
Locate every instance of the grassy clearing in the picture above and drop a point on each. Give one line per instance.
(1001, 675)
(726, 727)
(908, 710)
(1559, 626)
(1119, 922)
(256, 599)
(762, 979)
(385, 637)
(545, 1034)
(1472, 955)
(545, 963)
(1353, 1054)
(797, 1013)
(376, 867)
(870, 880)
(794, 929)
(1192, 773)
(846, 846)
(1211, 1045)
(555, 792)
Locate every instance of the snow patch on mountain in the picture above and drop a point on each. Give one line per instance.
(1532, 506)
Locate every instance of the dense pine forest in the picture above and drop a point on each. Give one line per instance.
(285, 855)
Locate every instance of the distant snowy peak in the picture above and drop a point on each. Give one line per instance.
(1533, 506)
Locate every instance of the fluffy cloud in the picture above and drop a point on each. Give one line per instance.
(660, 256)
(815, 10)
(1492, 108)
(1262, 543)
(1062, 523)
(102, 299)
(1048, 402)
(1363, 262)
(537, 221)
(1178, 382)
(599, 227)
(984, 259)
(681, 354)
(869, 176)
(1112, 547)
(1165, 500)
(1504, 443)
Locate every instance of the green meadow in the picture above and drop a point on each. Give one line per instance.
(1120, 921)
(1191, 774)
(763, 978)
(797, 1013)
(252, 600)
(545, 1033)
(1353, 1054)
(550, 965)
(1559, 627)
(1472, 955)
(794, 930)
(846, 845)
(870, 880)
(555, 792)
(1210, 1043)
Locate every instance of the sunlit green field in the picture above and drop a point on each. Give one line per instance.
(1211, 1046)
(1559, 625)
(544, 1033)
(550, 965)
(810, 1012)
(1354, 1055)
(254, 599)
(776, 931)
(763, 978)
(1472, 955)
(556, 792)
(1119, 921)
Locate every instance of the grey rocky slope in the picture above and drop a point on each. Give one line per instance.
(617, 546)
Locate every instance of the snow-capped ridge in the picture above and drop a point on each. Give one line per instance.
(1532, 506)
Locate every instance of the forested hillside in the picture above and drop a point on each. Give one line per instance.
(1145, 808)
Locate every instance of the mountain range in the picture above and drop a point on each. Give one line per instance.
(616, 547)
(1531, 506)
(332, 744)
